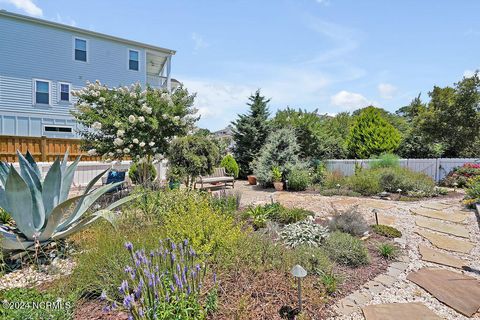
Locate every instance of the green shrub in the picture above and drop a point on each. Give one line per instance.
(365, 182)
(459, 176)
(5, 217)
(23, 303)
(299, 179)
(387, 250)
(386, 231)
(226, 201)
(319, 173)
(386, 160)
(330, 281)
(334, 180)
(141, 173)
(346, 249)
(287, 215)
(230, 165)
(392, 179)
(303, 233)
(473, 190)
(280, 150)
(350, 222)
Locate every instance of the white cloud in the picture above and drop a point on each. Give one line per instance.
(65, 20)
(468, 73)
(199, 42)
(386, 90)
(349, 100)
(26, 5)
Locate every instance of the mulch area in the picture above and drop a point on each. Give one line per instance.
(93, 310)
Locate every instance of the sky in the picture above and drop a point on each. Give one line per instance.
(330, 55)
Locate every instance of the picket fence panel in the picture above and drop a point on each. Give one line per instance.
(87, 170)
(436, 168)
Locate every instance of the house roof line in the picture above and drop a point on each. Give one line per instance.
(83, 31)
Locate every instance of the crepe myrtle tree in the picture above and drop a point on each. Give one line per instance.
(132, 122)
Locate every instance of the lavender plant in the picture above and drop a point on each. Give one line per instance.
(164, 284)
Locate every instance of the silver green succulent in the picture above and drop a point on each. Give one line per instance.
(305, 232)
(41, 208)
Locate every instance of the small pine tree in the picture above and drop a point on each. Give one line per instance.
(371, 135)
(250, 132)
(281, 150)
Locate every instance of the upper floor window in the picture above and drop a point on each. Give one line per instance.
(133, 60)
(64, 92)
(80, 49)
(42, 92)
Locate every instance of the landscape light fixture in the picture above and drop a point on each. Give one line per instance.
(299, 272)
(375, 212)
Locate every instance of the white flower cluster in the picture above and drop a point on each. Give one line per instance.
(96, 125)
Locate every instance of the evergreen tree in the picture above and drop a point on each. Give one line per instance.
(250, 132)
(371, 135)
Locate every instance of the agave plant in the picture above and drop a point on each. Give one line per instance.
(40, 207)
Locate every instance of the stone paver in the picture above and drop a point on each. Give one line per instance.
(377, 204)
(436, 206)
(454, 289)
(437, 225)
(360, 298)
(374, 287)
(435, 256)
(399, 311)
(346, 307)
(446, 242)
(345, 202)
(453, 217)
(386, 219)
(402, 266)
(386, 280)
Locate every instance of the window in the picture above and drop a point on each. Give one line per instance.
(80, 49)
(42, 92)
(64, 92)
(58, 129)
(133, 60)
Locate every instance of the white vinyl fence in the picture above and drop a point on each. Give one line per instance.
(87, 170)
(435, 168)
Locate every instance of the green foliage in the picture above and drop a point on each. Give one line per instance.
(350, 221)
(276, 212)
(346, 249)
(132, 121)
(452, 118)
(281, 150)
(334, 180)
(259, 215)
(287, 215)
(372, 134)
(40, 207)
(312, 133)
(473, 189)
(303, 233)
(365, 182)
(386, 231)
(319, 173)
(226, 202)
(250, 132)
(5, 217)
(459, 176)
(330, 281)
(276, 174)
(22, 303)
(386, 160)
(299, 179)
(230, 165)
(192, 156)
(387, 250)
(167, 283)
(142, 173)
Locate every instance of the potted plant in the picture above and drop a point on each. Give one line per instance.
(277, 178)
(173, 179)
(252, 179)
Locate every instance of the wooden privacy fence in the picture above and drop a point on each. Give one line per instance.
(435, 168)
(42, 148)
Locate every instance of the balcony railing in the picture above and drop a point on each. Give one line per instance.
(157, 82)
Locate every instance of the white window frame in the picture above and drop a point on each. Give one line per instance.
(34, 94)
(87, 46)
(57, 126)
(128, 59)
(60, 92)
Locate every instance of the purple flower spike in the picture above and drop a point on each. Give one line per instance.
(128, 269)
(173, 246)
(106, 309)
(114, 305)
(185, 242)
(128, 301)
(129, 246)
(123, 289)
(178, 282)
(214, 278)
(103, 296)
(172, 288)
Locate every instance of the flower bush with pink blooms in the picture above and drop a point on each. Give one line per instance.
(461, 175)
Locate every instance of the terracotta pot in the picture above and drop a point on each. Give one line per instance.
(252, 180)
(278, 185)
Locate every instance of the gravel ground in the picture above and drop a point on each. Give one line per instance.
(402, 290)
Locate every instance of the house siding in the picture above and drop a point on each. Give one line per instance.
(29, 51)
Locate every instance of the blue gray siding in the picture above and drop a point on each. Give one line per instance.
(31, 51)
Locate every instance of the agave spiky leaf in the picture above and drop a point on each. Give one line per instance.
(41, 209)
